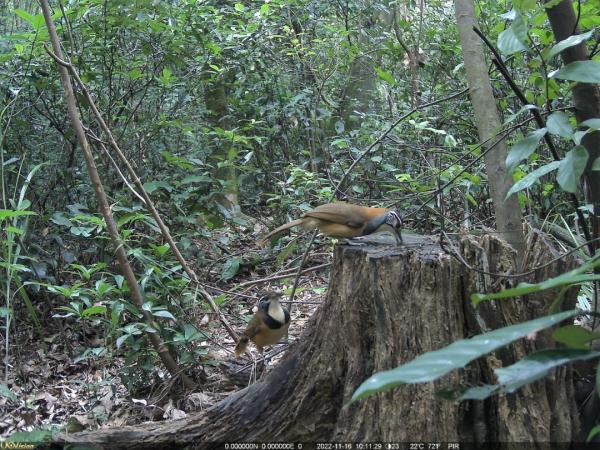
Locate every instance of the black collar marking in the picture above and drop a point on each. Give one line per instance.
(274, 324)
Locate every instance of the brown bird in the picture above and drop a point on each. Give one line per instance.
(267, 326)
(345, 220)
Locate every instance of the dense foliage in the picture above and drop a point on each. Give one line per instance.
(233, 111)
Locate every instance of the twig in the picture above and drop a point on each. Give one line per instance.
(299, 273)
(285, 275)
(439, 190)
(111, 225)
(149, 204)
(456, 254)
(497, 60)
(389, 130)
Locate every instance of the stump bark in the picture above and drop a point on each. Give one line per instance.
(385, 306)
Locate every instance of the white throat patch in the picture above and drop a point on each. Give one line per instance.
(276, 311)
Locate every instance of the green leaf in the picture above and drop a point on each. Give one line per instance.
(574, 336)
(190, 179)
(386, 76)
(122, 339)
(14, 230)
(5, 391)
(167, 78)
(571, 41)
(102, 287)
(283, 254)
(513, 39)
(163, 313)
(435, 364)
(94, 310)
(529, 369)
(119, 279)
(526, 288)
(532, 177)
(571, 169)
(593, 432)
(524, 148)
(28, 437)
(239, 7)
(558, 123)
(151, 186)
(537, 365)
(592, 123)
(598, 379)
(577, 275)
(8, 213)
(230, 268)
(36, 22)
(60, 219)
(473, 393)
(523, 109)
(582, 71)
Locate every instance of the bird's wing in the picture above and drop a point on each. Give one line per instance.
(352, 216)
(253, 327)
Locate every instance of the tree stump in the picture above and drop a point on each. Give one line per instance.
(385, 306)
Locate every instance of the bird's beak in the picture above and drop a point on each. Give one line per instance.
(396, 232)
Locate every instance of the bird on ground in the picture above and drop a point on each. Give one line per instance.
(345, 220)
(268, 325)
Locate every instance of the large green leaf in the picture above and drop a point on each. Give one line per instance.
(435, 364)
(230, 268)
(36, 22)
(532, 177)
(593, 432)
(8, 213)
(5, 391)
(574, 336)
(592, 123)
(537, 365)
(529, 369)
(575, 276)
(461, 393)
(525, 147)
(571, 169)
(386, 76)
(582, 71)
(571, 41)
(513, 39)
(558, 123)
(518, 113)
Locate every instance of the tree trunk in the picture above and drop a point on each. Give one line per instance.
(586, 100)
(215, 97)
(385, 306)
(507, 212)
(361, 87)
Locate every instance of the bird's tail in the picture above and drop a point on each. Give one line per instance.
(280, 230)
(241, 346)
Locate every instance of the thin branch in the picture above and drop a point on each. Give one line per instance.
(105, 208)
(389, 130)
(283, 276)
(149, 204)
(497, 60)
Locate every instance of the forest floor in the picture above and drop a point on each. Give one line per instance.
(68, 378)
